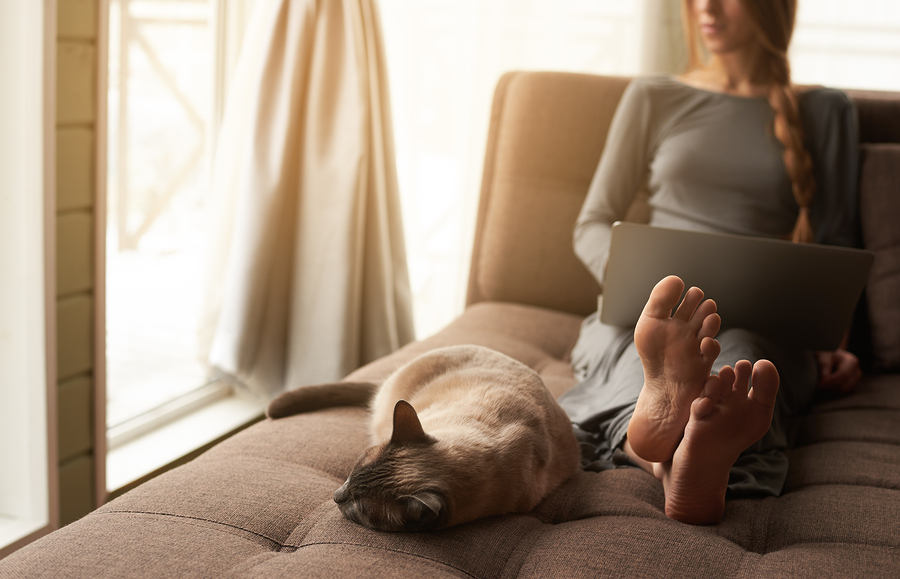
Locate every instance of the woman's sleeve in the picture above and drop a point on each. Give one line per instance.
(832, 134)
(621, 172)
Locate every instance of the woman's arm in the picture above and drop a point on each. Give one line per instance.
(831, 126)
(621, 172)
(832, 135)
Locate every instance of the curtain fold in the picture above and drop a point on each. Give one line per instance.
(307, 276)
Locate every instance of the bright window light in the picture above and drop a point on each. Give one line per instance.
(24, 452)
(847, 44)
(161, 98)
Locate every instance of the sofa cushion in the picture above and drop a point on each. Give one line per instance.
(879, 204)
(547, 133)
(879, 115)
(541, 339)
(203, 520)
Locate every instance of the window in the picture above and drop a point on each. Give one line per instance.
(27, 451)
(160, 103)
(167, 68)
(848, 44)
(444, 58)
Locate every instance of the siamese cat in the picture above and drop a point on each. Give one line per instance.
(458, 434)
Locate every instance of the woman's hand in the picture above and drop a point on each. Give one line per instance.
(839, 371)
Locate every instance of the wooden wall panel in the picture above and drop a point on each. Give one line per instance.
(74, 335)
(77, 19)
(76, 483)
(77, 106)
(76, 87)
(75, 180)
(74, 252)
(74, 401)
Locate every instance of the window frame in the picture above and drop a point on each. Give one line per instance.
(42, 27)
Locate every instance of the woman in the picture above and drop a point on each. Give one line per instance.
(720, 148)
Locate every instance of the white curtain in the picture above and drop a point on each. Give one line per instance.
(308, 274)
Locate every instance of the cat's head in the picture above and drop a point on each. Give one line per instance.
(393, 486)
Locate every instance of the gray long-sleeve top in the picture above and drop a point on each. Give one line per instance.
(710, 162)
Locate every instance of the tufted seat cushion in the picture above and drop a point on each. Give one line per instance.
(259, 504)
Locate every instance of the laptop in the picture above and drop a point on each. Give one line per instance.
(798, 293)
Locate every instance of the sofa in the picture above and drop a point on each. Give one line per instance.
(260, 503)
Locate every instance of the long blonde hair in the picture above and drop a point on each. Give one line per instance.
(773, 22)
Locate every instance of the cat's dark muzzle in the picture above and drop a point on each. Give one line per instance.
(342, 495)
(351, 508)
(374, 515)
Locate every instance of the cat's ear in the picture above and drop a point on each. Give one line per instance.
(424, 508)
(407, 427)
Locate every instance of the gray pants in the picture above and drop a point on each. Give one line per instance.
(600, 406)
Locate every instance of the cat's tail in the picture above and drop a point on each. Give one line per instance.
(309, 398)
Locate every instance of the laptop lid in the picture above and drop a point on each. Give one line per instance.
(798, 293)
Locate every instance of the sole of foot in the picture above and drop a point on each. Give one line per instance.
(677, 351)
(725, 420)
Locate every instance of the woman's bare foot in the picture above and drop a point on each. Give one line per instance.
(677, 352)
(724, 421)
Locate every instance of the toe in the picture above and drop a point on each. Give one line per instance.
(689, 304)
(701, 407)
(765, 383)
(742, 377)
(709, 397)
(664, 298)
(710, 326)
(710, 349)
(727, 376)
(713, 388)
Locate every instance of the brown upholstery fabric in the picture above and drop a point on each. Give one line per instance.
(260, 505)
(879, 115)
(879, 205)
(539, 338)
(135, 545)
(547, 134)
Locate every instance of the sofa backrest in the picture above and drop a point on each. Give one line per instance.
(546, 135)
(879, 212)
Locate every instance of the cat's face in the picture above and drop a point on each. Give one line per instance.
(386, 492)
(395, 485)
